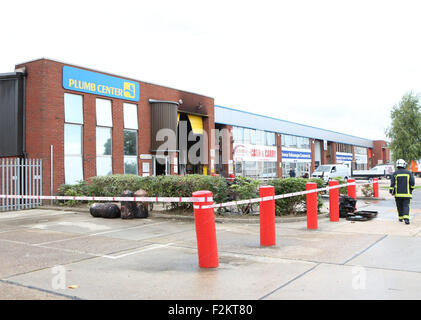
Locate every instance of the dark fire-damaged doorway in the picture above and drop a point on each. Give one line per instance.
(188, 164)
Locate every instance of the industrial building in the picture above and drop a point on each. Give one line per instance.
(83, 123)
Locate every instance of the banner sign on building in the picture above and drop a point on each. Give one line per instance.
(361, 159)
(298, 155)
(343, 157)
(248, 152)
(100, 84)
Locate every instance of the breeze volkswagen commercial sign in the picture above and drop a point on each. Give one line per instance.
(100, 84)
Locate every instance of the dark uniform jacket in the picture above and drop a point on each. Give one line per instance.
(402, 183)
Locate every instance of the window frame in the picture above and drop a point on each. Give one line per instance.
(80, 125)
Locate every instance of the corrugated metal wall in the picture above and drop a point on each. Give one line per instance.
(11, 115)
(163, 116)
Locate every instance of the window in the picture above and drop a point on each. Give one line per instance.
(104, 122)
(269, 169)
(360, 150)
(104, 151)
(260, 137)
(73, 108)
(130, 138)
(253, 136)
(130, 151)
(104, 116)
(130, 116)
(73, 133)
(302, 169)
(270, 139)
(247, 136)
(342, 147)
(238, 134)
(289, 141)
(303, 143)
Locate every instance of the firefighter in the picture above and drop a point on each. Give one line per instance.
(402, 184)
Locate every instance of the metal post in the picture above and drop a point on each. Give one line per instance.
(26, 182)
(29, 182)
(51, 171)
(40, 180)
(2, 183)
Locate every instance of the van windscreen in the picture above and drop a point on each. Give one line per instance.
(322, 169)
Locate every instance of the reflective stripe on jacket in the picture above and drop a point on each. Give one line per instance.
(402, 183)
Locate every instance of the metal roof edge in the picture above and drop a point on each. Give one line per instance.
(277, 119)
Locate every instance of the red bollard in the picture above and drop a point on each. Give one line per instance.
(231, 177)
(267, 217)
(376, 187)
(334, 201)
(352, 190)
(311, 206)
(205, 231)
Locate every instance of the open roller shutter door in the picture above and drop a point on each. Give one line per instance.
(196, 124)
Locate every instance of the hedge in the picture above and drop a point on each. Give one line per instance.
(162, 186)
(294, 205)
(184, 186)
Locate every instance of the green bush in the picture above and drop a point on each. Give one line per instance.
(243, 189)
(184, 186)
(162, 186)
(367, 190)
(342, 190)
(293, 205)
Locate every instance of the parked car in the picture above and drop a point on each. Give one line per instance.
(379, 171)
(329, 171)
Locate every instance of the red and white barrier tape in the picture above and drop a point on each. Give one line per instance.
(178, 199)
(135, 199)
(280, 196)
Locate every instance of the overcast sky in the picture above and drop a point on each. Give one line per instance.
(337, 65)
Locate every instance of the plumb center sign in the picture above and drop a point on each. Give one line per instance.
(100, 84)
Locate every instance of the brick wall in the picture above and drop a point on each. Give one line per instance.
(45, 119)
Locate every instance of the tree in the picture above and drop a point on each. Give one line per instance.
(405, 129)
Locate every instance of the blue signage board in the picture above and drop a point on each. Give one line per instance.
(100, 84)
(343, 157)
(289, 154)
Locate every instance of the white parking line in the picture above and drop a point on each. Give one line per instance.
(100, 233)
(151, 247)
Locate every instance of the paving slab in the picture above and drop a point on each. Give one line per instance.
(393, 252)
(339, 282)
(152, 230)
(19, 258)
(16, 292)
(295, 244)
(89, 225)
(172, 273)
(34, 236)
(97, 245)
(42, 218)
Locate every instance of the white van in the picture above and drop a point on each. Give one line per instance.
(329, 171)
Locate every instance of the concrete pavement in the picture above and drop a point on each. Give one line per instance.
(71, 255)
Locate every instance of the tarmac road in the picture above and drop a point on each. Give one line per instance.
(47, 254)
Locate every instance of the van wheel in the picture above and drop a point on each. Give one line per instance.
(346, 179)
(388, 176)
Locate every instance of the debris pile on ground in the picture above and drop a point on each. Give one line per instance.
(105, 210)
(347, 210)
(129, 209)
